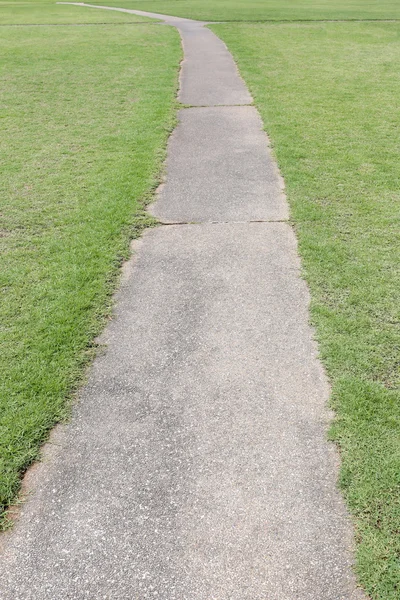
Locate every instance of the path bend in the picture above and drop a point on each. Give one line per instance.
(196, 464)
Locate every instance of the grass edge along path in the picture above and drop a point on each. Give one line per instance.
(86, 113)
(335, 138)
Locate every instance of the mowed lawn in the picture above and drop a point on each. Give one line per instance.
(42, 12)
(329, 97)
(85, 113)
(265, 10)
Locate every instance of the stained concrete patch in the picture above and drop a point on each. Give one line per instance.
(219, 168)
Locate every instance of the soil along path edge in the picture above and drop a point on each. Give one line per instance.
(196, 464)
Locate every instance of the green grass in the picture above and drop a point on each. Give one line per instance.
(48, 12)
(85, 113)
(265, 10)
(329, 98)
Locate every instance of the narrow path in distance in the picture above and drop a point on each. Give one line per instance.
(196, 465)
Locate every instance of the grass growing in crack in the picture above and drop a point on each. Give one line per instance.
(85, 113)
(265, 10)
(328, 95)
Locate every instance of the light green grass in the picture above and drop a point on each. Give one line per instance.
(264, 10)
(85, 113)
(329, 98)
(48, 12)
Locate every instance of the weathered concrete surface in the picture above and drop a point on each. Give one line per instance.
(219, 169)
(209, 75)
(196, 465)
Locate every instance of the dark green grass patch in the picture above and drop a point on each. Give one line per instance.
(266, 10)
(84, 116)
(329, 97)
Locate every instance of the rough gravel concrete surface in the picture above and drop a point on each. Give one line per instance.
(196, 465)
(219, 169)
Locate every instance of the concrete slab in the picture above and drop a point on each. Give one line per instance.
(209, 75)
(219, 168)
(196, 465)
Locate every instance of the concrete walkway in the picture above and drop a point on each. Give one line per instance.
(196, 465)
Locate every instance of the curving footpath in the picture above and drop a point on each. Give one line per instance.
(196, 465)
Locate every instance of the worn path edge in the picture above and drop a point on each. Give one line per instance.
(196, 464)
